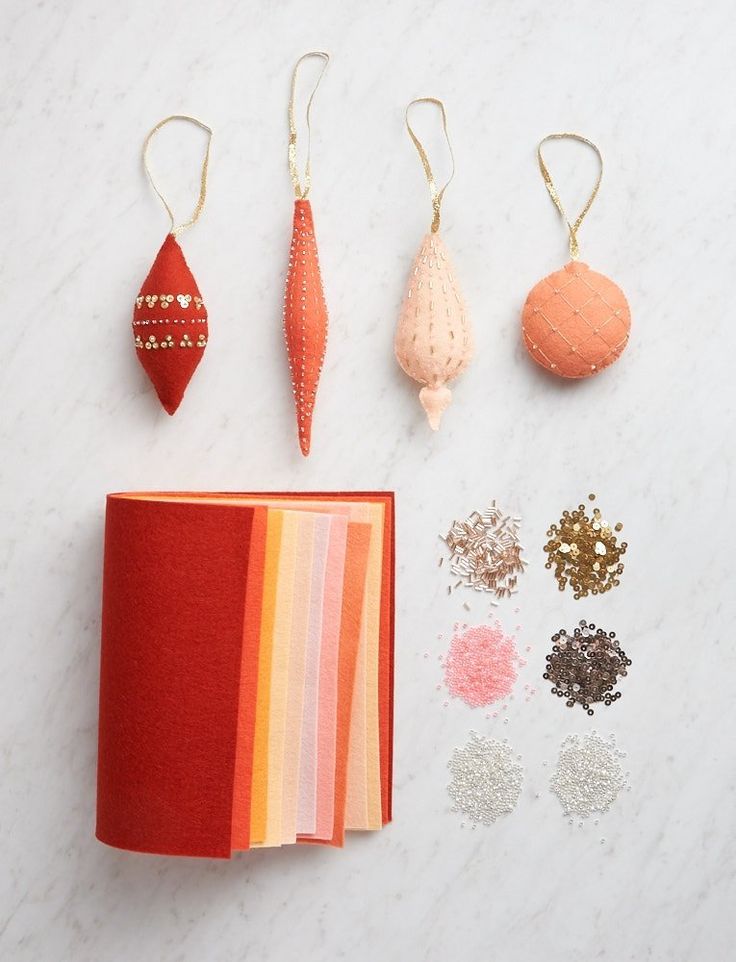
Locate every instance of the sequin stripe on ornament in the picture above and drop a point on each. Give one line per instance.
(168, 336)
(169, 341)
(305, 320)
(165, 300)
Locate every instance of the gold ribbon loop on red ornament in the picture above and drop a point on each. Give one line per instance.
(572, 227)
(435, 194)
(175, 231)
(302, 192)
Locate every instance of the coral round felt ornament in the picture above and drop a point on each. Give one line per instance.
(305, 311)
(170, 329)
(576, 321)
(434, 340)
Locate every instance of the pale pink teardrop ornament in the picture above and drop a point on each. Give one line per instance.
(434, 340)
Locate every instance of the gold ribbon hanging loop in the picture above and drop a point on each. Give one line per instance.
(175, 231)
(435, 194)
(302, 192)
(574, 227)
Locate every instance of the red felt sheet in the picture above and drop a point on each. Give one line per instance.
(172, 632)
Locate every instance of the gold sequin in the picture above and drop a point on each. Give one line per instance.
(166, 300)
(575, 548)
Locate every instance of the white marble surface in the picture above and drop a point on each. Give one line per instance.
(652, 83)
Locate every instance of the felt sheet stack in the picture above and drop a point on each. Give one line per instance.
(246, 682)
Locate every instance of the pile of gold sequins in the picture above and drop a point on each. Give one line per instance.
(486, 552)
(585, 667)
(585, 552)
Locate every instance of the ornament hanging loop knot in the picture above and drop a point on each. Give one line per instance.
(573, 227)
(176, 230)
(302, 190)
(435, 193)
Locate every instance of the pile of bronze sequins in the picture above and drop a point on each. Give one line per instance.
(585, 552)
(585, 667)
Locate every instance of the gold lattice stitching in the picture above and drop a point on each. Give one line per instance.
(595, 326)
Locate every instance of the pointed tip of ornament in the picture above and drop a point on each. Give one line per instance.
(435, 401)
(305, 442)
(170, 406)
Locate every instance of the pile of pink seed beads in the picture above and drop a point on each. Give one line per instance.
(481, 665)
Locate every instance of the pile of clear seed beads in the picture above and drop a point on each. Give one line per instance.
(486, 779)
(589, 776)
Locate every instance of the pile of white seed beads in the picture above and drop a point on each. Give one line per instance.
(589, 776)
(486, 552)
(486, 779)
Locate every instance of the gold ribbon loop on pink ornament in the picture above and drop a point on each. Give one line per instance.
(175, 231)
(435, 194)
(302, 192)
(572, 227)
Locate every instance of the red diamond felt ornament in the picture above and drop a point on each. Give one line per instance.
(170, 324)
(170, 329)
(305, 311)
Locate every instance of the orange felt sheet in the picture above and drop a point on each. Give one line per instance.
(259, 786)
(247, 699)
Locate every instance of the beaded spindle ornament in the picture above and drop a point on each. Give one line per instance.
(434, 340)
(170, 329)
(305, 311)
(575, 322)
